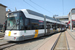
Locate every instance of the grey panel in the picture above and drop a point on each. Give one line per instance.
(42, 34)
(40, 15)
(50, 18)
(35, 13)
(29, 37)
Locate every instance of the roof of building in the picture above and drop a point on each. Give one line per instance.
(61, 17)
(3, 5)
(72, 11)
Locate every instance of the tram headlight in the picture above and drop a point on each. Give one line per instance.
(14, 37)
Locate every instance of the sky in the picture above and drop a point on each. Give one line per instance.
(46, 7)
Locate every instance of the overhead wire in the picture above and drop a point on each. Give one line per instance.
(41, 7)
(30, 5)
(63, 6)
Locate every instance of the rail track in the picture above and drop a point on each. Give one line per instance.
(6, 45)
(1, 35)
(61, 43)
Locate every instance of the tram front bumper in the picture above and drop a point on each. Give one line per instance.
(11, 38)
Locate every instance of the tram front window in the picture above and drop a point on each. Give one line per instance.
(13, 21)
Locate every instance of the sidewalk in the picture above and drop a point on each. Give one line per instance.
(71, 41)
(72, 33)
(48, 43)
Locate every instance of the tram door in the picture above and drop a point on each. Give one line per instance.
(51, 29)
(54, 27)
(48, 28)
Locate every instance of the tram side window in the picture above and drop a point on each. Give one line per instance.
(62, 26)
(48, 24)
(36, 24)
(27, 24)
(41, 24)
(54, 26)
(58, 26)
(21, 23)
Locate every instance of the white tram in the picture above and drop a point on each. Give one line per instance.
(26, 24)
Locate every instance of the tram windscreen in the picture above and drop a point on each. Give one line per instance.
(12, 21)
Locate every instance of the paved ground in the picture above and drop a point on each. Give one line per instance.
(71, 41)
(72, 33)
(1, 33)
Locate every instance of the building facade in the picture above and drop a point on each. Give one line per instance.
(69, 19)
(63, 19)
(2, 13)
(2, 16)
(71, 16)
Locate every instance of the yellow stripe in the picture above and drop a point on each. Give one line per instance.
(36, 34)
(9, 33)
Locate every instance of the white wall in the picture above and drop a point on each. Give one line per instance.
(73, 16)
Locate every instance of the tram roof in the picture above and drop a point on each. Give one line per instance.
(41, 15)
(27, 11)
(38, 14)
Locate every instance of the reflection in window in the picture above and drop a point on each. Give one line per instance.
(32, 24)
(21, 23)
(27, 24)
(12, 22)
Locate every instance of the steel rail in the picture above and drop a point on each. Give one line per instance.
(6, 45)
(55, 42)
(59, 44)
(1, 36)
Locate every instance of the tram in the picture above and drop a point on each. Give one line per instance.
(26, 24)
